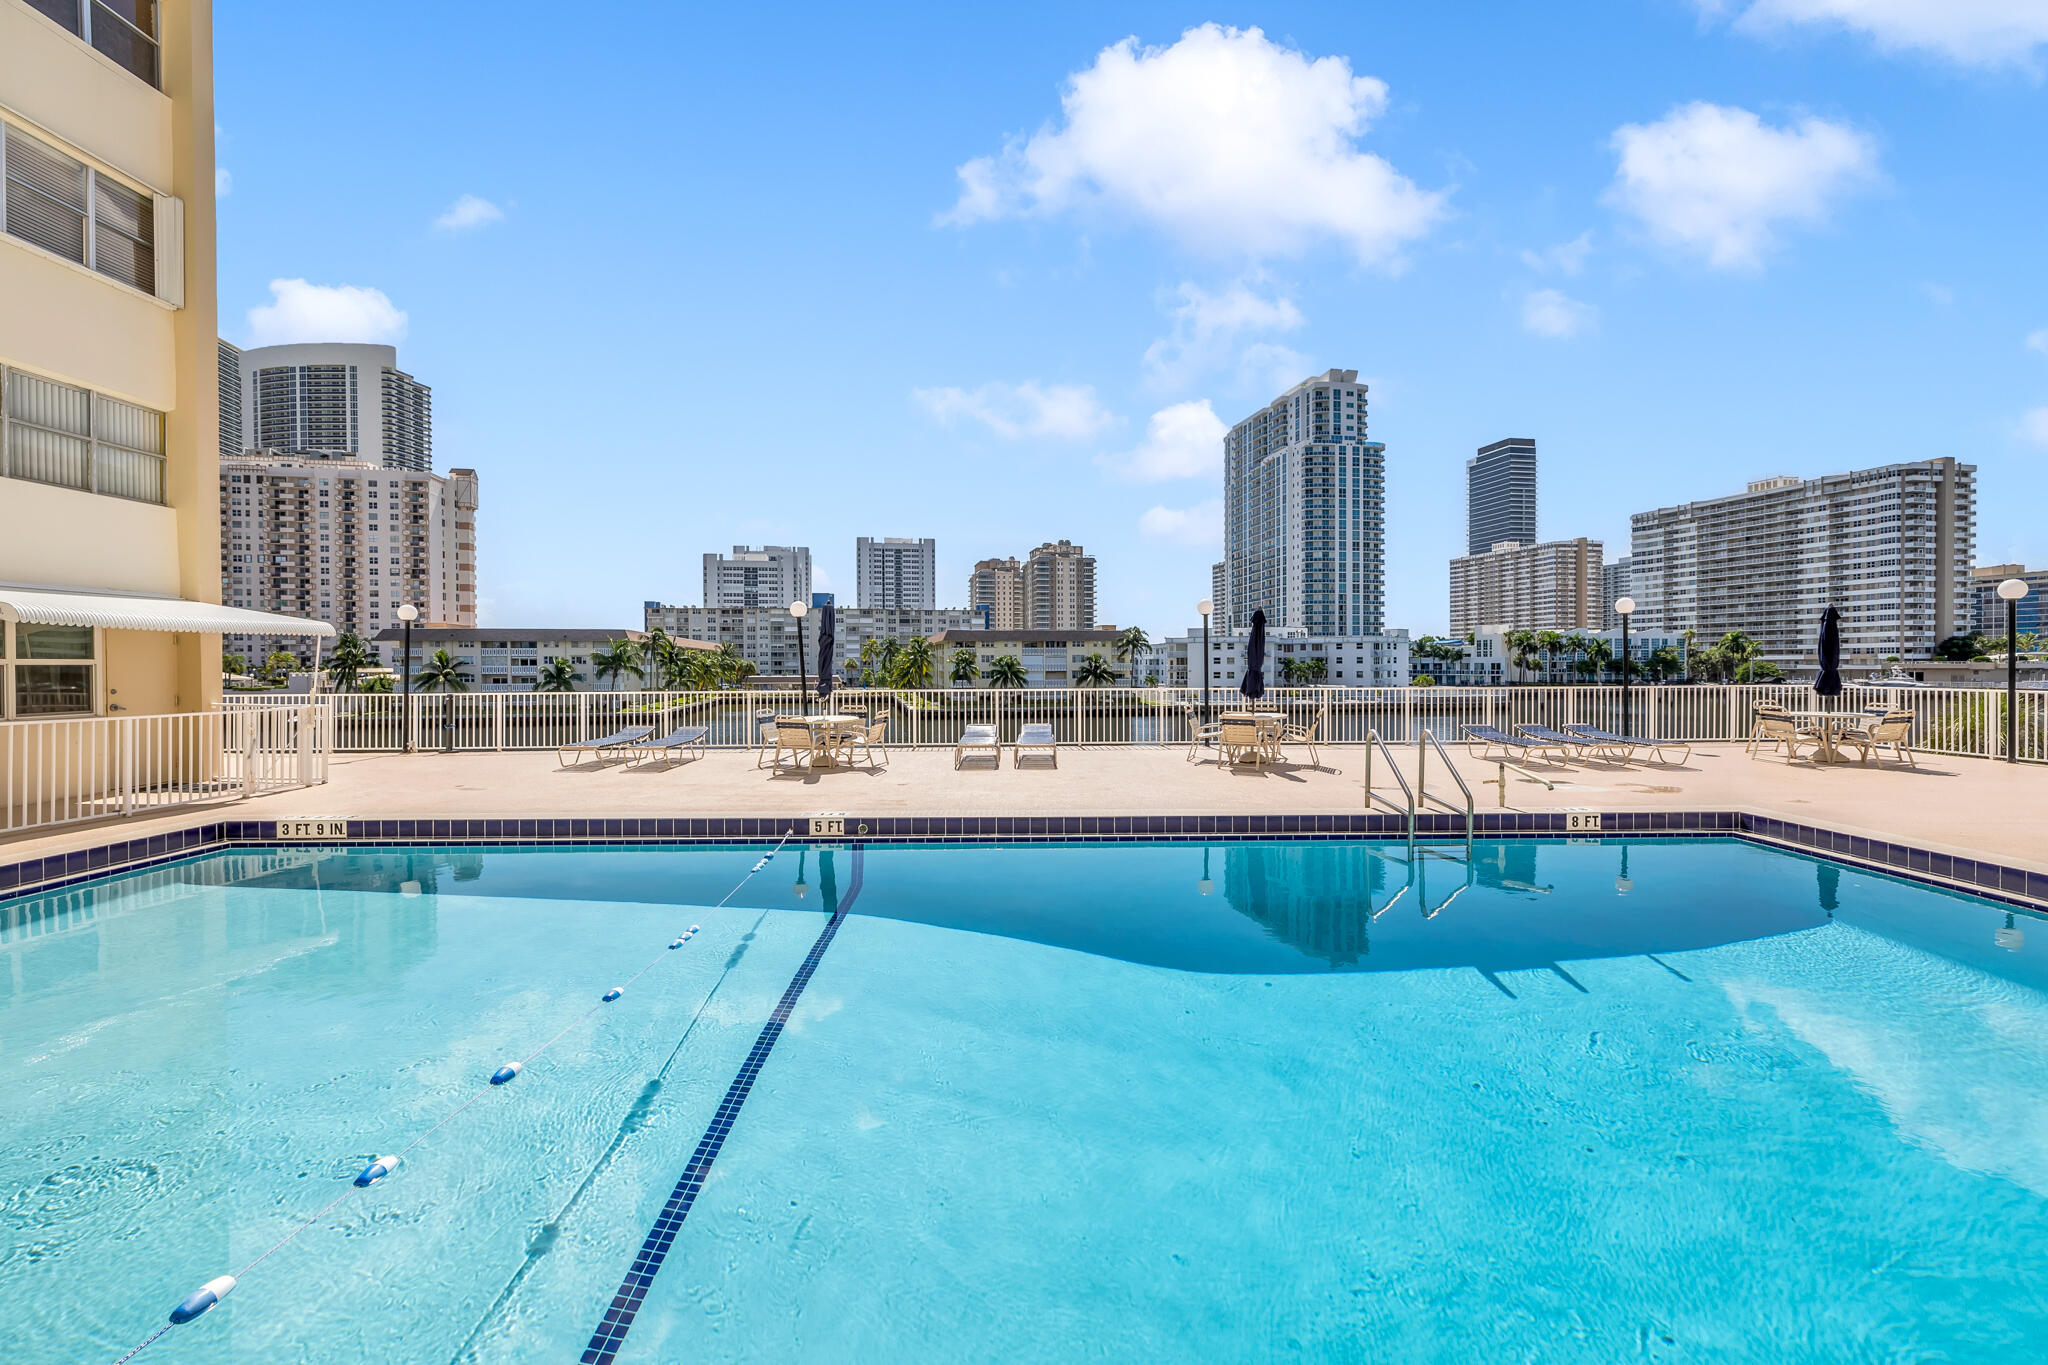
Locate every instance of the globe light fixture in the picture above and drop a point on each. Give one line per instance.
(407, 614)
(803, 678)
(1205, 607)
(1625, 607)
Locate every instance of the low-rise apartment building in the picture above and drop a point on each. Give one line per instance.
(510, 658)
(1340, 660)
(1050, 658)
(767, 636)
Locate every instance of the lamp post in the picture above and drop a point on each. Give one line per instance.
(2012, 590)
(803, 678)
(1205, 606)
(1624, 607)
(407, 614)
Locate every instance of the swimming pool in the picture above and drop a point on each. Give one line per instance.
(1660, 1099)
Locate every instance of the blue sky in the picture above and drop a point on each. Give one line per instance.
(1001, 275)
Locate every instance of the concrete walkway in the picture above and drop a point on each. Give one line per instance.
(1955, 805)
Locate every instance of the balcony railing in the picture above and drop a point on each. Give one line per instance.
(1962, 721)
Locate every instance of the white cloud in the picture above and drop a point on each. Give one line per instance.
(1206, 328)
(223, 182)
(2038, 341)
(469, 212)
(1227, 141)
(1200, 526)
(1184, 441)
(2034, 426)
(1548, 313)
(1064, 412)
(1968, 32)
(1715, 181)
(1267, 369)
(299, 311)
(1567, 258)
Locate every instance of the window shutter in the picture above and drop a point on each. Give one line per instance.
(170, 250)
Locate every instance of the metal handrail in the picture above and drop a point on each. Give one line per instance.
(1424, 742)
(1372, 742)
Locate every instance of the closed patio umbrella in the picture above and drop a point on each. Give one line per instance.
(1829, 683)
(828, 636)
(1253, 684)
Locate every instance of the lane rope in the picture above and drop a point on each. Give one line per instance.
(203, 1299)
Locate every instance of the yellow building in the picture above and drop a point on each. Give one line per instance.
(109, 386)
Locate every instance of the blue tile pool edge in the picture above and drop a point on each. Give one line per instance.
(1949, 872)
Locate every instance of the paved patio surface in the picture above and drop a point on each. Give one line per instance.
(1954, 805)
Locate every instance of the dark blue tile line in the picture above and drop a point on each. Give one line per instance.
(625, 1305)
(1990, 880)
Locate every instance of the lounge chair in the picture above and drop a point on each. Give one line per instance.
(1892, 730)
(1036, 736)
(978, 739)
(797, 740)
(1579, 745)
(1628, 744)
(602, 745)
(870, 740)
(673, 745)
(1481, 740)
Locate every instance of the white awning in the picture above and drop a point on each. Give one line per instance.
(118, 611)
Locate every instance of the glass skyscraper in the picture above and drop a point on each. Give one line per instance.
(1500, 495)
(1304, 511)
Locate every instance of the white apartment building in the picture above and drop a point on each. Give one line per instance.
(1347, 660)
(1304, 503)
(1615, 583)
(346, 542)
(997, 587)
(1552, 586)
(767, 635)
(1059, 587)
(510, 658)
(897, 573)
(1891, 547)
(772, 576)
(335, 398)
(1219, 590)
(1050, 658)
(1488, 661)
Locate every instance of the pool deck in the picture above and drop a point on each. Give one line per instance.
(1960, 806)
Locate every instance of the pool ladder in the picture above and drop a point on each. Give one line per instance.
(1424, 742)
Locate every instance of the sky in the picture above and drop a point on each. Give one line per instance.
(1002, 275)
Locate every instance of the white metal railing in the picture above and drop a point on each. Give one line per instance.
(59, 772)
(1949, 720)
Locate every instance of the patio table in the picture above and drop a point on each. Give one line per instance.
(829, 729)
(1827, 728)
(1271, 725)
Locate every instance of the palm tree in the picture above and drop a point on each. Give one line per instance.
(1007, 671)
(1095, 672)
(964, 669)
(1663, 663)
(1550, 642)
(1524, 646)
(556, 675)
(442, 672)
(1576, 644)
(1316, 669)
(1290, 670)
(1599, 654)
(886, 653)
(1691, 638)
(1738, 652)
(1132, 643)
(664, 660)
(617, 659)
(731, 667)
(236, 663)
(914, 663)
(349, 660)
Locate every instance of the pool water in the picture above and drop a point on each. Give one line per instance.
(1655, 1100)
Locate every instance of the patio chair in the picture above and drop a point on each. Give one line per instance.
(1777, 730)
(1756, 729)
(1893, 730)
(1034, 736)
(1241, 741)
(870, 739)
(1199, 733)
(1296, 733)
(764, 734)
(1481, 740)
(978, 739)
(673, 745)
(795, 739)
(602, 745)
(1628, 744)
